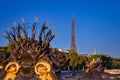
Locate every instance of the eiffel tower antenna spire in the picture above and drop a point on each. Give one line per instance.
(72, 43)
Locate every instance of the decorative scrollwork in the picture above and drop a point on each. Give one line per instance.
(2, 71)
(59, 59)
(2, 56)
(43, 69)
(11, 69)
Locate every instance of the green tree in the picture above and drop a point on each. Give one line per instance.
(4, 49)
(73, 56)
(115, 63)
(82, 61)
(9, 47)
(106, 60)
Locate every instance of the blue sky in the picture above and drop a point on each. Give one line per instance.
(97, 22)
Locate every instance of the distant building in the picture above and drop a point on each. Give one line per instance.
(61, 50)
(88, 55)
(95, 52)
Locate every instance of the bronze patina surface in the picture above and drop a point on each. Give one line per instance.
(31, 59)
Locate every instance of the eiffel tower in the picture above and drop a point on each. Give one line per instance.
(72, 43)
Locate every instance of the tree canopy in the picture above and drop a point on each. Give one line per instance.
(73, 56)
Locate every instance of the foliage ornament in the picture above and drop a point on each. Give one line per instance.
(31, 59)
